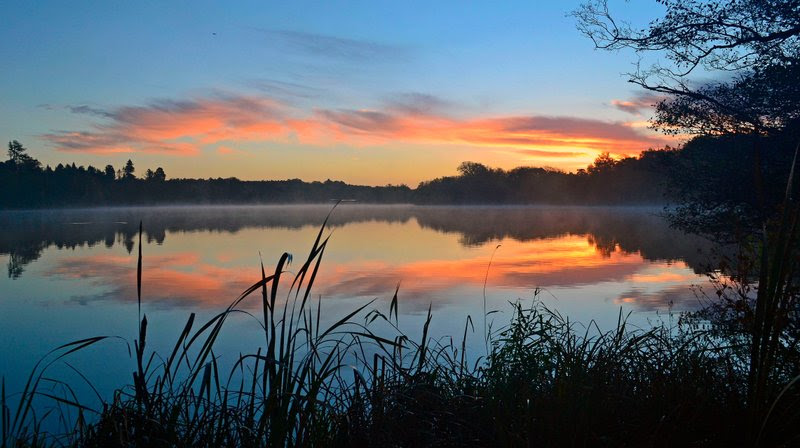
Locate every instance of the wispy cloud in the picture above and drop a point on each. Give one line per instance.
(89, 110)
(416, 103)
(637, 104)
(177, 127)
(184, 127)
(536, 153)
(334, 47)
(284, 89)
(517, 132)
(91, 142)
(368, 122)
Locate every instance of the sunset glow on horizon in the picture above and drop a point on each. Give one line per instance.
(361, 93)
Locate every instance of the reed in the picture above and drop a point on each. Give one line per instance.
(544, 381)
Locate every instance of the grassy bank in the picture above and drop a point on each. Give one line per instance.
(545, 381)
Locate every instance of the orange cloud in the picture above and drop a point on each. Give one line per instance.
(183, 127)
(177, 127)
(519, 132)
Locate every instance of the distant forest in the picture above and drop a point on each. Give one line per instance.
(705, 167)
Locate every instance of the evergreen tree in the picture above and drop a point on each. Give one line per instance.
(18, 158)
(127, 172)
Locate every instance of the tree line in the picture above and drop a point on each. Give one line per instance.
(26, 184)
(698, 173)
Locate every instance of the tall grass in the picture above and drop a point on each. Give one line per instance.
(545, 381)
(776, 304)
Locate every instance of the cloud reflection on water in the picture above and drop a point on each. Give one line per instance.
(211, 280)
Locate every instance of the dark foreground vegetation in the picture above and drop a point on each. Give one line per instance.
(544, 381)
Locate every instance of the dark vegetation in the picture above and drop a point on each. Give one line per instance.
(28, 185)
(753, 48)
(653, 177)
(544, 381)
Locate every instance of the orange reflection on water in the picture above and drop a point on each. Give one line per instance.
(174, 279)
(562, 261)
(432, 268)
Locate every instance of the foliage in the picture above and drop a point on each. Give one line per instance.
(763, 101)
(694, 178)
(713, 187)
(631, 180)
(18, 159)
(716, 36)
(751, 46)
(545, 381)
(68, 185)
(758, 42)
(128, 170)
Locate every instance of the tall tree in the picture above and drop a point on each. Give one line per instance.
(15, 151)
(754, 47)
(603, 162)
(753, 44)
(128, 170)
(160, 175)
(715, 36)
(18, 157)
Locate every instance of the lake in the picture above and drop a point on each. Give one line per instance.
(71, 274)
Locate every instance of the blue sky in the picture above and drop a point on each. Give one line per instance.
(367, 92)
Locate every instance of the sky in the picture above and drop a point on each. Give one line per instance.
(366, 92)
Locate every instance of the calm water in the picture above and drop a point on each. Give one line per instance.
(71, 274)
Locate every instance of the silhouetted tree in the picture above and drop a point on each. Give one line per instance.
(128, 170)
(109, 172)
(603, 162)
(159, 175)
(729, 36)
(755, 44)
(627, 181)
(472, 169)
(15, 151)
(18, 157)
(763, 101)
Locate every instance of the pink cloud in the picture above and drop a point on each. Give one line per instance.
(177, 127)
(183, 127)
(637, 104)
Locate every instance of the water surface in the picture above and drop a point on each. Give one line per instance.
(71, 273)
